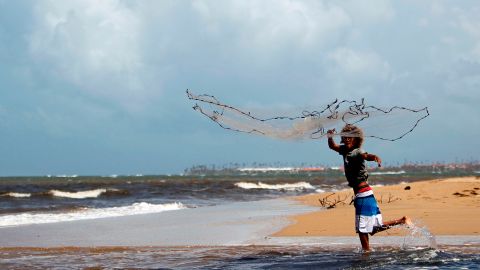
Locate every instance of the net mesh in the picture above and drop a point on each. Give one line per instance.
(388, 124)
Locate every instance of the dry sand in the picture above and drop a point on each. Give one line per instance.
(447, 207)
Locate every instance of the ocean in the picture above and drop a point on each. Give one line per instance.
(50, 200)
(249, 257)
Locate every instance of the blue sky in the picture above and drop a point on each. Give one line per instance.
(98, 87)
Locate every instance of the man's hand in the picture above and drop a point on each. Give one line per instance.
(372, 157)
(331, 142)
(330, 133)
(378, 160)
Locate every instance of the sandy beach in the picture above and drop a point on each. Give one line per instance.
(445, 206)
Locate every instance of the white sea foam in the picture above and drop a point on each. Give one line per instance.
(267, 169)
(17, 195)
(87, 213)
(388, 173)
(79, 194)
(260, 185)
(65, 176)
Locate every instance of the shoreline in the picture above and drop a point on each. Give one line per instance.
(324, 242)
(230, 224)
(446, 207)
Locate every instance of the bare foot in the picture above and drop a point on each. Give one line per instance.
(407, 221)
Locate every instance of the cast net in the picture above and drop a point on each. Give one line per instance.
(389, 124)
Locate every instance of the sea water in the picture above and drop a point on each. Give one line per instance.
(100, 196)
(45, 201)
(240, 257)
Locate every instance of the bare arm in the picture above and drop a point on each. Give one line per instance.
(372, 157)
(331, 142)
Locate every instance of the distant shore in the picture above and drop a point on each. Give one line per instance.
(445, 206)
(454, 169)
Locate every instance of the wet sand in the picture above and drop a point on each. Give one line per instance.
(446, 207)
(230, 224)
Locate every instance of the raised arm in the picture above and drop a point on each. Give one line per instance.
(331, 142)
(372, 157)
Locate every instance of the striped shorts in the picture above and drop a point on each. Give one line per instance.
(367, 214)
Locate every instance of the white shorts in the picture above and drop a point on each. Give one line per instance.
(366, 224)
(367, 214)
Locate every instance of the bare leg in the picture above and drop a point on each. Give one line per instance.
(364, 241)
(389, 224)
(404, 220)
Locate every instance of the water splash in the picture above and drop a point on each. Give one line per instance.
(419, 235)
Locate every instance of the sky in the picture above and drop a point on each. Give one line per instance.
(93, 87)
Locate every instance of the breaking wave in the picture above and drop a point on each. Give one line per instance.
(88, 213)
(17, 195)
(387, 173)
(289, 187)
(83, 194)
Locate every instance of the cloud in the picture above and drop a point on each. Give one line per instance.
(265, 25)
(354, 73)
(352, 63)
(368, 11)
(457, 63)
(92, 44)
(467, 21)
(125, 53)
(114, 71)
